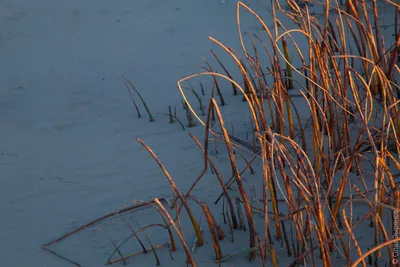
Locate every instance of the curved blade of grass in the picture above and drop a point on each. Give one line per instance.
(133, 100)
(176, 118)
(133, 233)
(140, 96)
(118, 251)
(151, 245)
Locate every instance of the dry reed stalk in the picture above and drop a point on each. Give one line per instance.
(213, 168)
(133, 233)
(332, 94)
(184, 244)
(249, 214)
(288, 67)
(221, 181)
(212, 227)
(174, 117)
(373, 250)
(286, 239)
(268, 179)
(171, 119)
(352, 236)
(242, 225)
(290, 197)
(93, 222)
(193, 220)
(219, 93)
(309, 228)
(165, 226)
(216, 74)
(61, 256)
(318, 212)
(151, 245)
(133, 101)
(232, 179)
(201, 107)
(226, 71)
(381, 225)
(206, 159)
(140, 96)
(235, 254)
(137, 253)
(189, 116)
(262, 252)
(326, 260)
(269, 91)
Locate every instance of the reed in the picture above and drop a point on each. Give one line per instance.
(140, 96)
(348, 79)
